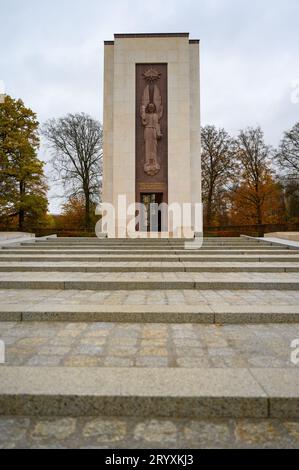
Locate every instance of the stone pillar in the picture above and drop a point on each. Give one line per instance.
(179, 180)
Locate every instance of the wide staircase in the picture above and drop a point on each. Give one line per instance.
(148, 339)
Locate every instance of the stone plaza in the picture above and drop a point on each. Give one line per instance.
(144, 344)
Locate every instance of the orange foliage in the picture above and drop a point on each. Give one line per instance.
(73, 214)
(255, 205)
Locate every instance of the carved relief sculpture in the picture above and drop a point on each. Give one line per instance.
(151, 113)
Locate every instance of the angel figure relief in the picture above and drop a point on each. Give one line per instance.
(151, 114)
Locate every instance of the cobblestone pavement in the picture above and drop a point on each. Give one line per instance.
(148, 297)
(147, 345)
(117, 433)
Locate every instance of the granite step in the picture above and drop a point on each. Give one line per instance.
(147, 392)
(202, 313)
(152, 266)
(139, 245)
(148, 281)
(40, 258)
(149, 240)
(101, 252)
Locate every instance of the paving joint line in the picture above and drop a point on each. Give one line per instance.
(265, 391)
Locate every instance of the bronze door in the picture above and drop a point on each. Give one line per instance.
(151, 218)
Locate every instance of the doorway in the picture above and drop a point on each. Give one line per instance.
(151, 218)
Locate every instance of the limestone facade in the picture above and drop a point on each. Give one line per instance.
(182, 58)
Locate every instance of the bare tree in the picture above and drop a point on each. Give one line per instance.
(76, 141)
(218, 167)
(255, 163)
(287, 155)
(291, 195)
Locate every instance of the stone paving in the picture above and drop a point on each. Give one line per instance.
(148, 345)
(130, 433)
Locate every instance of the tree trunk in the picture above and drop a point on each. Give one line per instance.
(21, 211)
(209, 206)
(21, 220)
(259, 214)
(259, 218)
(87, 211)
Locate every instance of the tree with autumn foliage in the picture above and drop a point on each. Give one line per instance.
(269, 210)
(22, 184)
(258, 197)
(73, 215)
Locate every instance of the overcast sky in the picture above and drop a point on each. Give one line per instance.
(51, 55)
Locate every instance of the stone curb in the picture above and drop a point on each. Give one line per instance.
(102, 252)
(187, 284)
(143, 258)
(211, 314)
(235, 393)
(175, 266)
(130, 392)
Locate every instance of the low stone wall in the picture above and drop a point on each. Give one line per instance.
(15, 235)
(251, 230)
(292, 236)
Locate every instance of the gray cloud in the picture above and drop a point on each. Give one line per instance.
(51, 55)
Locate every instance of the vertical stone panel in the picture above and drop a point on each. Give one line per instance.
(108, 123)
(195, 137)
(148, 182)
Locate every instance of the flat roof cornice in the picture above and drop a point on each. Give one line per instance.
(151, 35)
